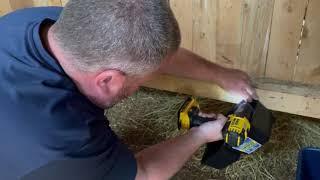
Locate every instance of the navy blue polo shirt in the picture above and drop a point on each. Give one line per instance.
(48, 129)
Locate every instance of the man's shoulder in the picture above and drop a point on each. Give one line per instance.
(30, 14)
(15, 24)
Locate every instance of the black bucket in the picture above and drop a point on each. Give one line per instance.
(220, 155)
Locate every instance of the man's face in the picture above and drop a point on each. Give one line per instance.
(131, 84)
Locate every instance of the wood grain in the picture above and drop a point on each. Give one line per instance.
(183, 10)
(228, 33)
(256, 20)
(285, 36)
(18, 4)
(308, 65)
(197, 21)
(47, 2)
(204, 28)
(64, 2)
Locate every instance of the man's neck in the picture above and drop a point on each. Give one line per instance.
(44, 31)
(81, 79)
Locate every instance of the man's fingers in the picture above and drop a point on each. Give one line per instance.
(221, 119)
(255, 95)
(251, 90)
(205, 115)
(212, 115)
(246, 95)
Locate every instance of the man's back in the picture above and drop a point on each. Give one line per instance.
(48, 128)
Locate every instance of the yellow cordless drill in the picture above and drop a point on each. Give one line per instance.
(248, 127)
(235, 130)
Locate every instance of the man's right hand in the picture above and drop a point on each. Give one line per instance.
(212, 131)
(163, 160)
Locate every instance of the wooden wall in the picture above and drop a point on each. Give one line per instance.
(263, 38)
(10, 5)
(276, 41)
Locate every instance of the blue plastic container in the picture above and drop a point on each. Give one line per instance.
(309, 164)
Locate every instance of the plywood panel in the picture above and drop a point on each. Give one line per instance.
(302, 104)
(308, 66)
(285, 36)
(256, 20)
(204, 28)
(228, 33)
(183, 10)
(5, 7)
(47, 2)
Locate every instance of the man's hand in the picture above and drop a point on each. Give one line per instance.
(237, 82)
(212, 131)
(163, 160)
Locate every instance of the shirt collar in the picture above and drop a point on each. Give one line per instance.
(45, 56)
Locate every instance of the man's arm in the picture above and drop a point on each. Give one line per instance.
(189, 65)
(163, 160)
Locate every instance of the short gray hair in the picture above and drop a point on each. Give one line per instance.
(132, 36)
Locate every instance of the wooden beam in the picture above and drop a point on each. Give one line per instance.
(301, 104)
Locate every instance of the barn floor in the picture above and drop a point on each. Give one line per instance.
(150, 116)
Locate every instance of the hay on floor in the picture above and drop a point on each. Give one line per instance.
(150, 116)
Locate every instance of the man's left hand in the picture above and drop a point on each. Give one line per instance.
(237, 82)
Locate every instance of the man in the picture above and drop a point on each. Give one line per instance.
(61, 68)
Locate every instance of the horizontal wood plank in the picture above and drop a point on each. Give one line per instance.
(301, 104)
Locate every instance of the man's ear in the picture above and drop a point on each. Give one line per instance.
(110, 82)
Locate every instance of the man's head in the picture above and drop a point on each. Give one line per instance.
(114, 45)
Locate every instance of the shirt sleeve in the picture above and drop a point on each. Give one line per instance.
(83, 147)
(115, 163)
(74, 141)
